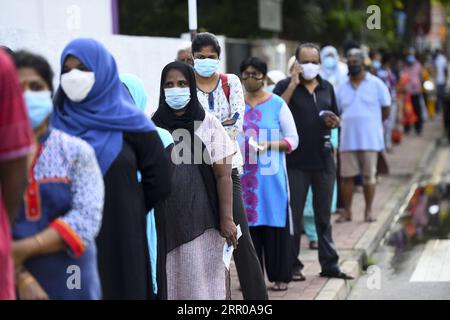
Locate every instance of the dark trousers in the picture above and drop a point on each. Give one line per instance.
(273, 247)
(440, 95)
(446, 116)
(249, 271)
(322, 183)
(340, 199)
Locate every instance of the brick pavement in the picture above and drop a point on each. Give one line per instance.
(402, 162)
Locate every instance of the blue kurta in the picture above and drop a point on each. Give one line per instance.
(264, 181)
(65, 193)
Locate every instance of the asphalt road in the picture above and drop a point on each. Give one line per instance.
(420, 271)
(390, 278)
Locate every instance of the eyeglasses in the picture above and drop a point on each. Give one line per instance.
(254, 75)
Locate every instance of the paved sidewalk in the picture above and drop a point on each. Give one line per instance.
(351, 237)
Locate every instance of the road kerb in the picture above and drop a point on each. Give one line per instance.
(337, 289)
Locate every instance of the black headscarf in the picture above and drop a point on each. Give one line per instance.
(166, 118)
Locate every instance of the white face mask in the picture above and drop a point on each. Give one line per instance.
(310, 70)
(77, 84)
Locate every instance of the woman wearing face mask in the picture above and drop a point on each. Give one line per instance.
(62, 209)
(92, 103)
(331, 68)
(222, 95)
(269, 121)
(136, 89)
(197, 215)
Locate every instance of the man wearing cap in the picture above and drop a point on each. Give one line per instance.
(363, 103)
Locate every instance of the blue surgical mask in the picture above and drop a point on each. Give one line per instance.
(39, 106)
(376, 64)
(177, 98)
(329, 62)
(206, 67)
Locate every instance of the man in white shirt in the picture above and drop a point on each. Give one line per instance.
(363, 102)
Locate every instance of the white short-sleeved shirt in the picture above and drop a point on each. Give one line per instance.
(361, 114)
(216, 139)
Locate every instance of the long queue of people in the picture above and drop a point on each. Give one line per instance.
(101, 202)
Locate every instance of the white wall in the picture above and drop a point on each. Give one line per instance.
(46, 26)
(57, 15)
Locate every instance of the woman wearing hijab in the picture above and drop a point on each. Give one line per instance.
(61, 213)
(92, 103)
(136, 89)
(332, 69)
(198, 213)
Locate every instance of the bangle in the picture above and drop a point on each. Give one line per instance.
(39, 240)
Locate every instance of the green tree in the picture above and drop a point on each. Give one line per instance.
(163, 18)
(324, 21)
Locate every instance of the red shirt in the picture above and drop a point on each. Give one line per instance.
(15, 142)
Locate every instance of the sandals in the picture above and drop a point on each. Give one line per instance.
(343, 219)
(279, 286)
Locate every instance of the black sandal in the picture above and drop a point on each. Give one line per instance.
(279, 287)
(339, 275)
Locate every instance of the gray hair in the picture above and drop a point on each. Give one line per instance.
(307, 45)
